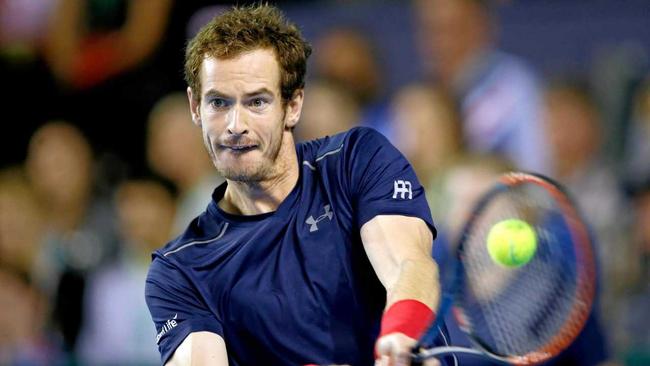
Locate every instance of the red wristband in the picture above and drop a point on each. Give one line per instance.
(409, 317)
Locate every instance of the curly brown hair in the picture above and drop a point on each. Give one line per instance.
(244, 29)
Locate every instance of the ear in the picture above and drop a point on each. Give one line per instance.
(195, 107)
(294, 108)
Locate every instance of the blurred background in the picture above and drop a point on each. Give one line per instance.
(101, 163)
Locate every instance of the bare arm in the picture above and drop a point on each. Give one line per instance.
(200, 348)
(71, 57)
(399, 249)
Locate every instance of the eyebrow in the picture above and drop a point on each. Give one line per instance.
(216, 93)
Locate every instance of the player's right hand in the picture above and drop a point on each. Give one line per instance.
(395, 350)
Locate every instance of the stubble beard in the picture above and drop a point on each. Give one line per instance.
(256, 171)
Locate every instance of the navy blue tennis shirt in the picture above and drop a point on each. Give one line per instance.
(294, 286)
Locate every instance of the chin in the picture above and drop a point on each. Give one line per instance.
(242, 178)
(237, 174)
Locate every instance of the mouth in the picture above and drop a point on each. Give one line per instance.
(238, 148)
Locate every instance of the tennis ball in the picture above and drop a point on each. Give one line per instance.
(511, 243)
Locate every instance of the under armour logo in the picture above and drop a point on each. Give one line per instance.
(402, 187)
(314, 222)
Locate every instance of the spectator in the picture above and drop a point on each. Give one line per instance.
(573, 127)
(21, 222)
(635, 312)
(461, 187)
(637, 148)
(90, 42)
(146, 210)
(175, 151)
(109, 60)
(464, 183)
(427, 128)
(346, 57)
(80, 230)
(23, 25)
(22, 323)
(327, 110)
(498, 95)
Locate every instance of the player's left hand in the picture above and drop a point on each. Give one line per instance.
(395, 350)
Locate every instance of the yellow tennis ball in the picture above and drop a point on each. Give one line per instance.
(512, 243)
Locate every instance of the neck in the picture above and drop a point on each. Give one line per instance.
(66, 216)
(253, 198)
(465, 66)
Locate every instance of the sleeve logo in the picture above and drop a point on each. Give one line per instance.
(403, 189)
(169, 325)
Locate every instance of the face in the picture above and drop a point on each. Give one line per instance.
(572, 130)
(327, 110)
(174, 146)
(145, 213)
(426, 128)
(449, 31)
(59, 163)
(244, 121)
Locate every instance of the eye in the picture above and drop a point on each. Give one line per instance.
(258, 103)
(218, 103)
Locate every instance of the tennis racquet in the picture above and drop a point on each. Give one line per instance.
(524, 315)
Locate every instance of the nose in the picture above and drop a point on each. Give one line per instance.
(236, 124)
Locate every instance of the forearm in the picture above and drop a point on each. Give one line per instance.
(417, 279)
(399, 249)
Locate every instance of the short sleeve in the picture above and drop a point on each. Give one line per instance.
(176, 307)
(382, 180)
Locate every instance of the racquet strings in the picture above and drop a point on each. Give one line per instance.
(517, 311)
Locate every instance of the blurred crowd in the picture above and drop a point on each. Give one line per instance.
(104, 164)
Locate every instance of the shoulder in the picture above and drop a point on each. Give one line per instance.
(362, 133)
(190, 244)
(344, 142)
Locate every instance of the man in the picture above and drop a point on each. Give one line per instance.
(498, 95)
(287, 263)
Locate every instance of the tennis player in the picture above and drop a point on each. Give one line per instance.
(311, 253)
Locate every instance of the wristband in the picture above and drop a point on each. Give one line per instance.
(409, 317)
